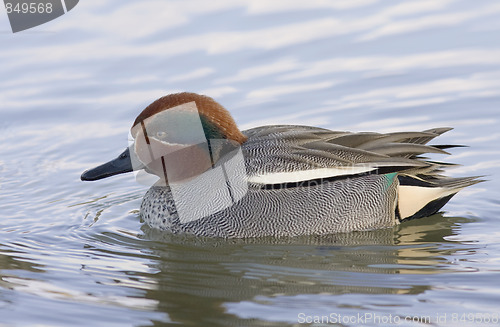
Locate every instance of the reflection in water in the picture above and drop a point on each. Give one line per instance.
(181, 278)
(211, 277)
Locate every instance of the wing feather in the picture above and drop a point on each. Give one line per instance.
(289, 153)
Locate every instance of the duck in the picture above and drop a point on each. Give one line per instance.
(213, 180)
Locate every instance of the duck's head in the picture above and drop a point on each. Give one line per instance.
(176, 137)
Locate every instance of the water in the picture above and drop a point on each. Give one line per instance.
(75, 253)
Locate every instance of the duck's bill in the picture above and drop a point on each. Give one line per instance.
(122, 164)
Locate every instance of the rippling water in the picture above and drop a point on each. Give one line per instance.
(74, 253)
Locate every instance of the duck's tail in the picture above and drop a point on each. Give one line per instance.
(420, 197)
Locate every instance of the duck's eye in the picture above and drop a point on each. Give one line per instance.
(161, 135)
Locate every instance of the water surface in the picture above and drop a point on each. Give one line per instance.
(74, 253)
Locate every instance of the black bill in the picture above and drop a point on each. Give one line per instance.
(122, 164)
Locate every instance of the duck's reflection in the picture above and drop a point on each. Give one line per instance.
(198, 277)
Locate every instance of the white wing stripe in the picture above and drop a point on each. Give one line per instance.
(304, 175)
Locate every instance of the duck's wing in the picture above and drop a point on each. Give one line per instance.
(290, 154)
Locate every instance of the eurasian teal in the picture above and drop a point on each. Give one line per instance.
(279, 180)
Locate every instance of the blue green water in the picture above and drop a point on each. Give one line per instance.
(77, 254)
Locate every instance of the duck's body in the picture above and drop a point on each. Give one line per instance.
(295, 180)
